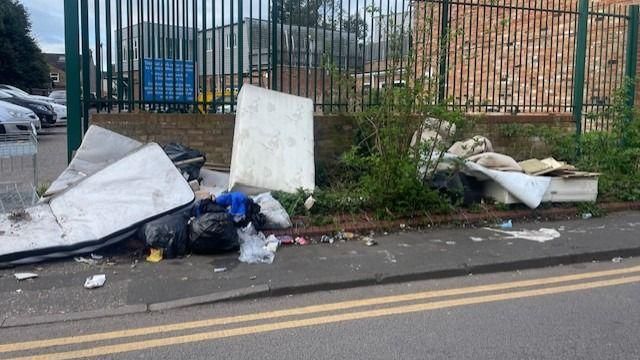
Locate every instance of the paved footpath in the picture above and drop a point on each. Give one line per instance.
(58, 295)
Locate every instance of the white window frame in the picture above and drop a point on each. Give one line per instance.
(135, 49)
(227, 40)
(55, 77)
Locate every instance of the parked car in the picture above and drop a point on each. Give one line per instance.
(59, 109)
(43, 110)
(59, 97)
(14, 118)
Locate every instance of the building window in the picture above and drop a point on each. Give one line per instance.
(135, 49)
(55, 77)
(227, 41)
(209, 43)
(61, 58)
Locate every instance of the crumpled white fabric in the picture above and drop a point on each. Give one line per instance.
(526, 188)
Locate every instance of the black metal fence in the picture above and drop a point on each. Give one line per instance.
(482, 55)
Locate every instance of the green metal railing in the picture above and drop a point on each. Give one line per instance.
(488, 56)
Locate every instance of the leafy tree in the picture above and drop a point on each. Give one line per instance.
(305, 12)
(21, 61)
(355, 24)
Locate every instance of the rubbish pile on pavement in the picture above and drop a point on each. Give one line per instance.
(116, 187)
(487, 174)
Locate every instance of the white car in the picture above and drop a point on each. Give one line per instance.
(61, 112)
(14, 118)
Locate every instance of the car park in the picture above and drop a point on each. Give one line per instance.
(43, 110)
(59, 97)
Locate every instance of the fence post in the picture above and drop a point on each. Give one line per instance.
(241, 44)
(274, 44)
(632, 52)
(443, 50)
(72, 63)
(579, 66)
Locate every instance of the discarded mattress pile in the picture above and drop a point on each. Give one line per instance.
(484, 173)
(116, 187)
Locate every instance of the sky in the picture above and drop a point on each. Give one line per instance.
(47, 18)
(47, 23)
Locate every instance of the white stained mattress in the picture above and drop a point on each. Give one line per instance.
(99, 210)
(273, 146)
(100, 147)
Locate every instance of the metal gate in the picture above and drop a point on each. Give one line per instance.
(486, 56)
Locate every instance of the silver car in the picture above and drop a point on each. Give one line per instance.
(14, 118)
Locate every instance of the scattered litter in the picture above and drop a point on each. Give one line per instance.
(155, 255)
(506, 225)
(587, 216)
(184, 278)
(95, 281)
(436, 241)
(276, 215)
(541, 235)
(272, 243)
(286, 240)
(96, 256)
(19, 291)
(25, 276)
(308, 204)
(253, 246)
(169, 233)
(187, 160)
(219, 270)
(616, 260)
(346, 235)
(84, 260)
(388, 256)
(195, 185)
(476, 239)
(212, 232)
(253, 277)
(561, 228)
(369, 241)
(403, 226)
(19, 215)
(326, 239)
(134, 263)
(450, 242)
(301, 241)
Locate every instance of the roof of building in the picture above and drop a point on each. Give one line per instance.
(55, 60)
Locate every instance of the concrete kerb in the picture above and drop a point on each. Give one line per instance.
(264, 290)
(236, 294)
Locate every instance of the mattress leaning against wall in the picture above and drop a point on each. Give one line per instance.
(273, 146)
(97, 211)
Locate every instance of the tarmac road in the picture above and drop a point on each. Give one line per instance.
(587, 311)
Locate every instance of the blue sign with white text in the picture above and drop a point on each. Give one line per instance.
(164, 82)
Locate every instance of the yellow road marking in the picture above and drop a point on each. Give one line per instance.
(321, 320)
(344, 305)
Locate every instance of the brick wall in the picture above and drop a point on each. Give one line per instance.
(213, 133)
(504, 56)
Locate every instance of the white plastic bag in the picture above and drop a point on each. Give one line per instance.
(277, 217)
(253, 246)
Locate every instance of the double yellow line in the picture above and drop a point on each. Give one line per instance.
(576, 282)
